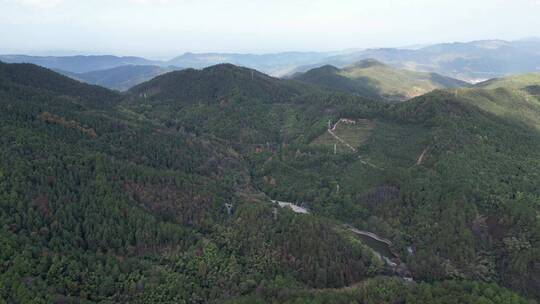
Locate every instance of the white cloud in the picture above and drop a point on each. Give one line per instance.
(173, 26)
(150, 1)
(37, 4)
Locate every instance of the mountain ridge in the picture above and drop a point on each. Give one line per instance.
(469, 61)
(33, 77)
(374, 79)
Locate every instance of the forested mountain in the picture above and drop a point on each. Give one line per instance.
(121, 78)
(206, 85)
(29, 77)
(521, 81)
(162, 194)
(373, 79)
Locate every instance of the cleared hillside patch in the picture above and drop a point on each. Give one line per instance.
(353, 132)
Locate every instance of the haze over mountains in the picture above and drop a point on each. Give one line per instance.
(78, 64)
(121, 77)
(470, 61)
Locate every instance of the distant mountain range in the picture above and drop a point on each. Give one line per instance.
(120, 78)
(78, 64)
(474, 61)
(277, 64)
(373, 79)
(471, 61)
(121, 73)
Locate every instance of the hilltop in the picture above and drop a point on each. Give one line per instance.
(521, 81)
(213, 82)
(374, 79)
(29, 77)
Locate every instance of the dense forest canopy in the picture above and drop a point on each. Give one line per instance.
(163, 194)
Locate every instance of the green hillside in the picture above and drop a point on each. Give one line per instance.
(513, 98)
(191, 86)
(460, 206)
(518, 105)
(29, 77)
(374, 79)
(130, 202)
(511, 82)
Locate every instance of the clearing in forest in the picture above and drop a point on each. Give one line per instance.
(351, 132)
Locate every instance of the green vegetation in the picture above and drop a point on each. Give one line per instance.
(113, 216)
(373, 79)
(511, 82)
(353, 132)
(512, 104)
(109, 198)
(385, 291)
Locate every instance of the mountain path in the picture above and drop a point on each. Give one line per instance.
(421, 157)
(331, 132)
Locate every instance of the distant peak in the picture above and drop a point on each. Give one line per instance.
(222, 66)
(326, 68)
(367, 63)
(229, 67)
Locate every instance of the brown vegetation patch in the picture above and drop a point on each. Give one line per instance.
(495, 228)
(51, 118)
(172, 202)
(41, 202)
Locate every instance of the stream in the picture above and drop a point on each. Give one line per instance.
(380, 246)
(377, 246)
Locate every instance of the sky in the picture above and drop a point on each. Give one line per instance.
(167, 28)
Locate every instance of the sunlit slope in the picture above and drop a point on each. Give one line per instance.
(515, 98)
(519, 81)
(374, 79)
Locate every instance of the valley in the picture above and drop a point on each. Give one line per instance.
(381, 247)
(166, 186)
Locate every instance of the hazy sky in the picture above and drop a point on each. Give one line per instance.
(162, 28)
